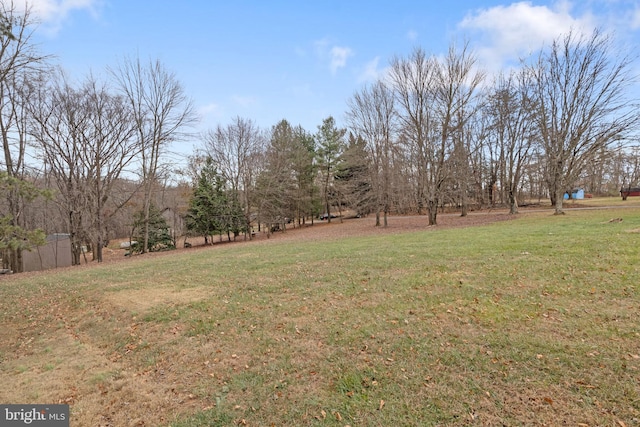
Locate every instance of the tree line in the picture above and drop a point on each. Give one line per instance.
(93, 159)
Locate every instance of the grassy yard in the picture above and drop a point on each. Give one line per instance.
(534, 321)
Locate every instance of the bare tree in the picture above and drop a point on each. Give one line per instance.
(58, 121)
(626, 169)
(162, 114)
(413, 81)
(372, 116)
(512, 133)
(582, 99)
(109, 147)
(234, 149)
(19, 62)
(476, 145)
(455, 104)
(436, 100)
(85, 137)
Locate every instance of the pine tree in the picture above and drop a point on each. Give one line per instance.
(159, 235)
(276, 185)
(330, 145)
(208, 205)
(353, 179)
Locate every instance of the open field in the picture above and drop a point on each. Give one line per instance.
(488, 320)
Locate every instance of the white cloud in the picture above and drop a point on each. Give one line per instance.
(412, 35)
(53, 13)
(635, 18)
(370, 73)
(336, 55)
(506, 33)
(339, 57)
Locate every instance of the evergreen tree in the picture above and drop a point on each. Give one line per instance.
(159, 235)
(330, 145)
(304, 170)
(234, 220)
(208, 205)
(14, 238)
(214, 208)
(276, 184)
(353, 179)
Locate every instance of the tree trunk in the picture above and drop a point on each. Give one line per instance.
(513, 203)
(99, 246)
(559, 197)
(464, 203)
(146, 208)
(19, 268)
(100, 221)
(432, 211)
(328, 211)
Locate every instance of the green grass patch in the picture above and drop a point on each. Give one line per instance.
(530, 321)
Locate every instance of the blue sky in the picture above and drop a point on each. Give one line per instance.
(302, 60)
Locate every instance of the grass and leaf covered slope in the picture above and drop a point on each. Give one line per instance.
(533, 321)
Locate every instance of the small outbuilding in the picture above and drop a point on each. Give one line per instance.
(629, 191)
(55, 253)
(576, 194)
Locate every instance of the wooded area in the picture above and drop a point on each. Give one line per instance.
(92, 158)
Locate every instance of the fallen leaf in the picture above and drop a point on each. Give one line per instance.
(338, 416)
(585, 384)
(548, 400)
(381, 405)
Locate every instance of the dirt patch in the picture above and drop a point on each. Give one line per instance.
(141, 300)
